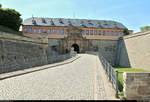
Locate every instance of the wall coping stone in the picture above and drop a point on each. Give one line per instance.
(136, 34)
(136, 73)
(9, 36)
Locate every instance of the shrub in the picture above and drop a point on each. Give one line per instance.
(10, 18)
(126, 32)
(145, 28)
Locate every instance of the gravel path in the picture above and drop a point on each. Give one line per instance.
(78, 80)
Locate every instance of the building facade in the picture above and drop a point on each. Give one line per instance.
(58, 28)
(81, 34)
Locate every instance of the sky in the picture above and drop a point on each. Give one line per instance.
(131, 13)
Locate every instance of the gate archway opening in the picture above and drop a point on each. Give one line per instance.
(76, 48)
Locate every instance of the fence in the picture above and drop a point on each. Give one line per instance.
(111, 73)
(10, 65)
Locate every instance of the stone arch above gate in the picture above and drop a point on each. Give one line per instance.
(74, 37)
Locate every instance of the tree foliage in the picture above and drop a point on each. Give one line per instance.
(10, 18)
(126, 32)
(145, 28)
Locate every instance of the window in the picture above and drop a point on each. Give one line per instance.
(91, 32)
(115, 33)
(62, 31)
(82, 32)
(103, 33)
(58, 31)
(95, 32)
(111, 33)
(99, 32)
(107, 33)
(87, 32)
(48, 31)
(44, 31)
(34, 31)
(30, 30)
(67, 31)
(53, 31)
(39, 31)
(119, 33)
(25, 30)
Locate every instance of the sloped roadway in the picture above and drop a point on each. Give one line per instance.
(79, 80)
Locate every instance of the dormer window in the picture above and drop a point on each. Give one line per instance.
(60, 21)
(51, 22)
(69, 23)
(89, 21)
(99, 25)
(43, 20)
(105, 23)
(82, 24)
(33, 22)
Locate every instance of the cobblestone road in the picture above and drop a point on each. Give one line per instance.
(80, 79)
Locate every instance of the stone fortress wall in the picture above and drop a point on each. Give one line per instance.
(21, 52)
(130, 51)
(134, 51)
(108, 48)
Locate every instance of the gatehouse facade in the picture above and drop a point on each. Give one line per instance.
(80, 34)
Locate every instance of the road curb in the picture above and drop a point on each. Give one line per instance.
(39, 68)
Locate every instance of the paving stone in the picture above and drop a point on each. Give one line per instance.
(79, 80)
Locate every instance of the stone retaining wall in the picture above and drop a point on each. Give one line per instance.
(17, 52)
(136, 86)
(134, 51)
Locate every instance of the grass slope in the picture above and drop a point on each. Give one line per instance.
(8, 30)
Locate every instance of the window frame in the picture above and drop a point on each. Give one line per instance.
(107, 33)
(116, 33)
(62, 31)
(95, 32)
(91, 32)
(25, 30)
(66, 31)
(30, 30)
(48, 31)
(44, 31)
(34, 31)
(100, 33)
(58, 31)
(112, 33)
(104, 33)
(87, 32)
(39, 31)
(53, 31)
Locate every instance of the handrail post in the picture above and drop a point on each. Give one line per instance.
(116, 84)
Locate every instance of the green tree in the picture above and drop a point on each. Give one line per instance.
(10, 18)
(145, 28)
(126, 32)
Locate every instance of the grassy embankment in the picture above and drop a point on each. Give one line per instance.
(8, 30)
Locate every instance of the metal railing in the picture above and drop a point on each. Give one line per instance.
(111, 73)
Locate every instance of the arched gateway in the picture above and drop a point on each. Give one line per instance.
(75, 40)
(76, 48)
